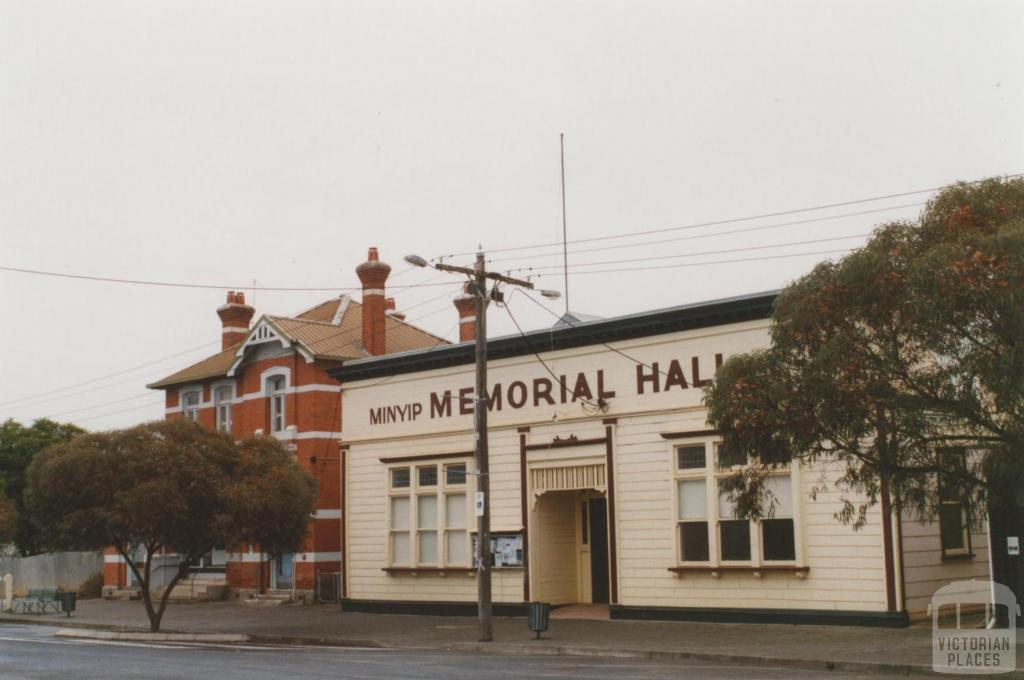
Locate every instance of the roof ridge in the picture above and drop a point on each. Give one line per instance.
(321, 304)
(293, 318)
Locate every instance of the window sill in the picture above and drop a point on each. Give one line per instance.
(438, 571)
(957, 557)
(441, 571)
(718, 571)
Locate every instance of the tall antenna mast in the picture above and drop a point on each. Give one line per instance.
(565, 240)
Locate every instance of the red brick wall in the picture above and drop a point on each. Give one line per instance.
(309, 412)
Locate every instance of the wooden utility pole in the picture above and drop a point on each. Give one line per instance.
(483, 483)
(478, 276)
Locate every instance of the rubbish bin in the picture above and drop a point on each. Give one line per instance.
(68, 600)
(540, 614)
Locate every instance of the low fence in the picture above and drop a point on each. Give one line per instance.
(328, 586)
(65, 570)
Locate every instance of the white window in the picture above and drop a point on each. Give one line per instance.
(222, 398)
(707, 529)
(427, 508)
(276, 387)
(190, 404)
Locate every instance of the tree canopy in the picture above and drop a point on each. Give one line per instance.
(887, 360)
(18, 445)
(168, 485)
(8, 519)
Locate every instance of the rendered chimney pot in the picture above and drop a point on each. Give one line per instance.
(373, 274)
(235, 316)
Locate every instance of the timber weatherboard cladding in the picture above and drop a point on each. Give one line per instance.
(839, 574)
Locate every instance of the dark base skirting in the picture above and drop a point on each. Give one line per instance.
(430, 608)
(816, 617)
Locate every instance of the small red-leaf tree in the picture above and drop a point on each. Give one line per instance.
(168, 484)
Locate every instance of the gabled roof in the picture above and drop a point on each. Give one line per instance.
(332, 331)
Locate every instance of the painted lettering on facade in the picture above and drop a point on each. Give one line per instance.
(655, 377)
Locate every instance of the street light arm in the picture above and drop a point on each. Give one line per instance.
(494, 276)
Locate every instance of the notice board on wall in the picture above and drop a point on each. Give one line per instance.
(506, 549)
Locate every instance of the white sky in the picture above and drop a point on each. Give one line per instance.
(221, 142)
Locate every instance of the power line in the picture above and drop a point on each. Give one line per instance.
(716, 234)
(171, 284)
(704, 264)
(780, 213)
(114, 413)
(108, 403)
(697, 254)
(111, 375)
(559, 380)
(14, 405)
(20, 401)
(568, 321)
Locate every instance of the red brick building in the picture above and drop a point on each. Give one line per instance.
(270, 379)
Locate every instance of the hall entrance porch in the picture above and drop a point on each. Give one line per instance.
(569, 554)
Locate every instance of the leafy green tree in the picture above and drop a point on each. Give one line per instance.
(18, 445)
(8, 519)
(891, 357)
(168, 485)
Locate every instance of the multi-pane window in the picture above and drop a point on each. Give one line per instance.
(222, 398)
(954, 511)
(733, 534)
(703, 514)
(778, 533)
(428, 516)
(276, 387)
(190, 404)
(693, 519)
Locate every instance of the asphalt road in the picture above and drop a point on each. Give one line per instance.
(33, 652)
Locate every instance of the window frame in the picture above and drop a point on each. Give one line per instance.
(220, 403)
(712, 476)
(442, 528)
(191, 412)
(278, 400)
(966, 549)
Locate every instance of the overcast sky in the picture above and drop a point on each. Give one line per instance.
(226, 142)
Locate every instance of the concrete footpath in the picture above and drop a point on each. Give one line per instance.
(889, 651)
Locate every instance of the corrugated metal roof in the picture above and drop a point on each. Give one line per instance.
(316, 334)
(210, 367)
(322, 312)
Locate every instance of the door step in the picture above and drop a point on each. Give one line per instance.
(271, 598)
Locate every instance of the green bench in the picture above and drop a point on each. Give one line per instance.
(38, 601)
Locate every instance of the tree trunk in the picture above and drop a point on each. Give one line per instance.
(143, 579)
(156, 614)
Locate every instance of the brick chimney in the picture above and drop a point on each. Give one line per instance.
(235, 316)
(373, 274)
(389, 309)
(466, 304)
